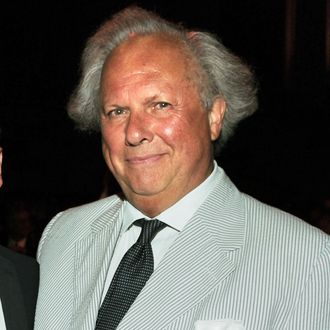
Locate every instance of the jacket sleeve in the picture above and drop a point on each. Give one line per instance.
(313, 307)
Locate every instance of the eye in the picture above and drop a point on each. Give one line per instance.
(162, 105)
(117, 112)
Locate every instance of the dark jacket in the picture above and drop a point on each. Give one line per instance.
(19, 281)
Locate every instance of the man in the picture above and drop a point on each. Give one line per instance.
(19, 277)
(164, 97)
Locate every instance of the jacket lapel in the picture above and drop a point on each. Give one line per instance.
(92, 257)
(203, 255)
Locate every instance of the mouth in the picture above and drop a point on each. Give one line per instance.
(144, 159)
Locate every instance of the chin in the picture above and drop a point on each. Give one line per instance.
(147, 192)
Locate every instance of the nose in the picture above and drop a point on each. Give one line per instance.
(138, 129)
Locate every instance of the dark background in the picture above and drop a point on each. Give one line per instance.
(279, 155)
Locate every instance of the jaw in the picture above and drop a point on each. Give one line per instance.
(152, 199)
(151, 205)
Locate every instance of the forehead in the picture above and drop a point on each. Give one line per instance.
(154, 54)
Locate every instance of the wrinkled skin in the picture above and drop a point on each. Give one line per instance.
(156, 135)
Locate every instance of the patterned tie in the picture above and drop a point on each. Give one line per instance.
(131, 275)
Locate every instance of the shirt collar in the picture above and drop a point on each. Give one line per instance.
(178, 214)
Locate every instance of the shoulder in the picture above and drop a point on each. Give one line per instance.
(227, 198)
(282, 231)
(272, 216)
(24, 269)
(75, 223)
(268, 227)
(18, 261)
(93, 208)
(84, 215)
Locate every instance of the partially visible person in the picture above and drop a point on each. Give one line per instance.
(164, 99)
(19, 280)
(21, 225)
(18, 227)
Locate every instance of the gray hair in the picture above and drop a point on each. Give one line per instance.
(222, 74)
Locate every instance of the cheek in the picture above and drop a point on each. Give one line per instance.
(173, 132)
(110, 143)
(169, 132)
(181, 137)
(185, 129)
(110, 134)
(110, 154)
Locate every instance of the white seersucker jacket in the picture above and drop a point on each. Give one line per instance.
(237, 261)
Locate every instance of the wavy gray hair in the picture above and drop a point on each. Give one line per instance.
(220, 72)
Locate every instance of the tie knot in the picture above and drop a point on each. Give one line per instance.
(149, 230)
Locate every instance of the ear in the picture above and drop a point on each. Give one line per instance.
(216, 115)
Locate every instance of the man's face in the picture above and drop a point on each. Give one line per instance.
(156, 133)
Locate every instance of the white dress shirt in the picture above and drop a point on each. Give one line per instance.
(175, 218)
(2, 318)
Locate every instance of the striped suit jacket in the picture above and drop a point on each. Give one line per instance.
(236, 259)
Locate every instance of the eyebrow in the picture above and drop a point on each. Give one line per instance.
(149, 100)
(146, 102)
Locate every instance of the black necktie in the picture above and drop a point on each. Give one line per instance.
(130, 277)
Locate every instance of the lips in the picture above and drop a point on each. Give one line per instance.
(144, 159)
